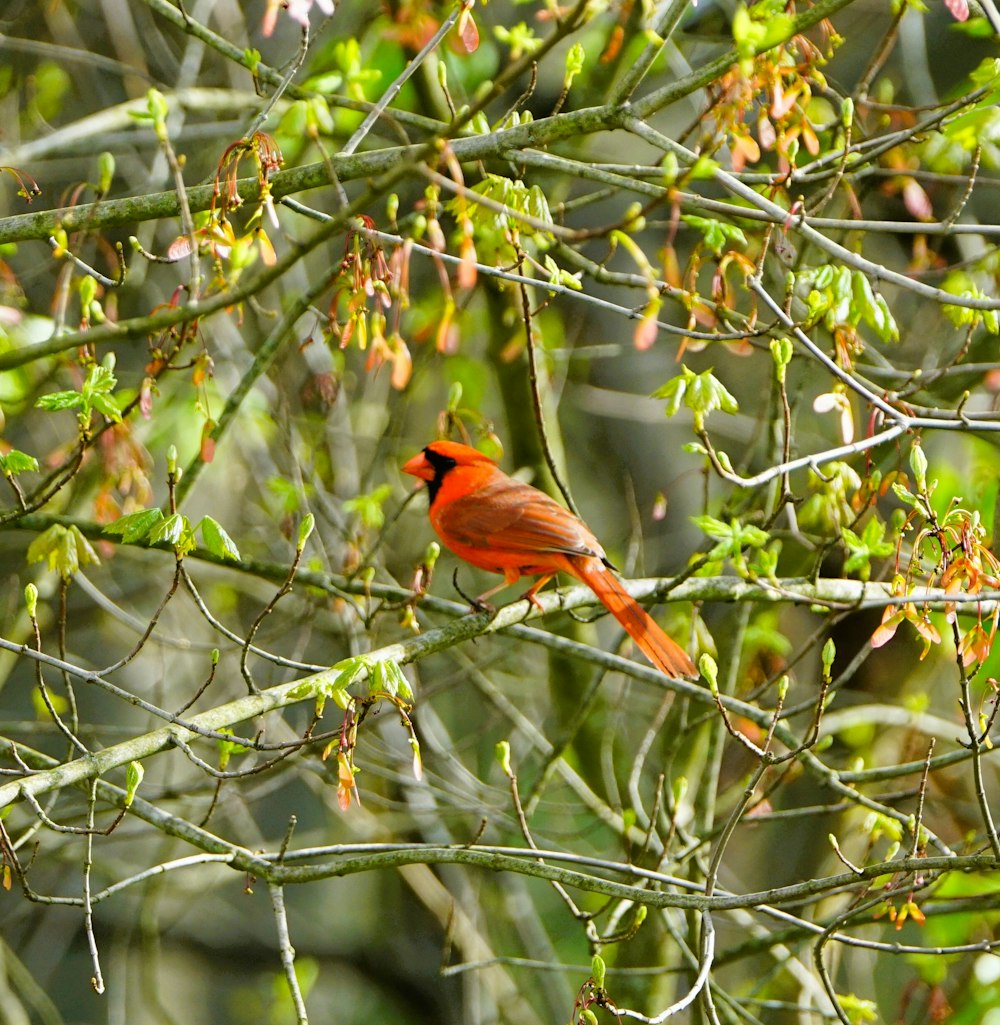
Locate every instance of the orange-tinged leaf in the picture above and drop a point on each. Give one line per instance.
(179, 248)
(810, 139)
(344, 797)
(765, 131)
(672, 270)
(207, 451)
(468, 32)
(402, 364)
(614, 46)
(645, 332)
(891, 619)
(267, 253)
(782, 102)
(346, 786)
(916, 200)
(927, 629)
(744, 151)
(467, 268)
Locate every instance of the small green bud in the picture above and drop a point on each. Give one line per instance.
(305, 529)
(574, 63)
(598, 970)
(105, 172)
(502, 753)
(829, 653)
(679, 789)
(781, 353)
(156, 104)
(133, 777)
(88, 291)
(918, 464)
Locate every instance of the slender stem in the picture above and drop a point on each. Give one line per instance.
(401, 79)
(663, 29)
(287, 952)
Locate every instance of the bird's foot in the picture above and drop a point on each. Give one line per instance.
(475, 604)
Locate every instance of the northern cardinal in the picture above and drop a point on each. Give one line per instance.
(499, 524)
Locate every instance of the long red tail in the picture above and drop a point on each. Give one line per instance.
(667, 655)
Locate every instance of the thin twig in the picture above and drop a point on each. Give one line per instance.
(97, 980)
(287, 952)
(401, 79)
(536, 393)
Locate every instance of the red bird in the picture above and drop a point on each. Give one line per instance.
(499, 524)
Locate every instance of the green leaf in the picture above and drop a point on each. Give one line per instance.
(743, 27)
(60, 400)
(302, 691)
(217, 541)
(701, 393)
(228, 748)
(66, 557)
(733, 538)
(822, 277)
(134, 526)
(349, 670)
(674, 390)
(288, 493)
(714, 528)
(368, 508)
(15, 462)
(169, 530)
(708, 393)
(100, 381)
(717, 234)
(858, 1011)
(777, 28)
(869, 545)
(44, 546)
(884, 322)
(987, 73)
(108, 405)
(388, 676)
(520, 38)
(85, 550)
(64, 549)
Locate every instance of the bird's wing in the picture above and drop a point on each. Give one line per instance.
(506, 515)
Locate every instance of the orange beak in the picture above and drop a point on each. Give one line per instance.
(419, 466)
